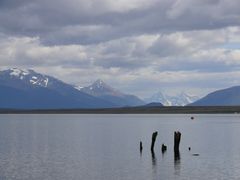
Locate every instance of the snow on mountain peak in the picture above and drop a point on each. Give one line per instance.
(99, 88)
(39, 81)
(19, 72)
(181, 99)
(98, 84)
(78, 87)
(29, 76)
(99, 81)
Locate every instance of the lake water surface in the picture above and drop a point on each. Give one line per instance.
(106, 147)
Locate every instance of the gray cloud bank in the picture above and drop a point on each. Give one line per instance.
(190, 45)
(94, 21)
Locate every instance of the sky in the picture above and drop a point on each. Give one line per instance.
(136, 46)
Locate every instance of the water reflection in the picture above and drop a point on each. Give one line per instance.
(95, 147)
(154, 161)
(177, 162)
(154, 165)
(163, 154)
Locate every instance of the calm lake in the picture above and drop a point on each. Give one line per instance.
(106, 147)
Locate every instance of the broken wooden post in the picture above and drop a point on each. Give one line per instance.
(164, 148)
(177, 138)
(141, 147)
(154, 136)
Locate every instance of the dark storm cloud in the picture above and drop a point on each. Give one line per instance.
(9, 4)
(84, 22)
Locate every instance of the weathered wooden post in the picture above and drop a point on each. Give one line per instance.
(141, 147)
(177, 139)
(164, 148)
(154, 136)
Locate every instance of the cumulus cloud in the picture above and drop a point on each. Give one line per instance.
(173, 44)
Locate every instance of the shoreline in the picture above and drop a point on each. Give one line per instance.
(133, 110)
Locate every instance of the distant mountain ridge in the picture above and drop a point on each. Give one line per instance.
(224, 97)
(101, 90)
(169, 100)
(27, 89)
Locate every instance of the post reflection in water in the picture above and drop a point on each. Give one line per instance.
(154, 162)
(177, 162)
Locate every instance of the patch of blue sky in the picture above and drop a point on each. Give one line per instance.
(235, 45)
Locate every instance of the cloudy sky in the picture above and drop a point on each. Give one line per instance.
(137, 46)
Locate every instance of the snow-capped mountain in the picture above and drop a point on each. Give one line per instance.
(184, 99)
(27, 89)
(102, 90)
(169, 100)
(14, 76)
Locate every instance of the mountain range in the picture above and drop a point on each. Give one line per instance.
(27, 89)
(181, 99)
(224, 97)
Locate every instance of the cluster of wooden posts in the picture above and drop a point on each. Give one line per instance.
(177, 139)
